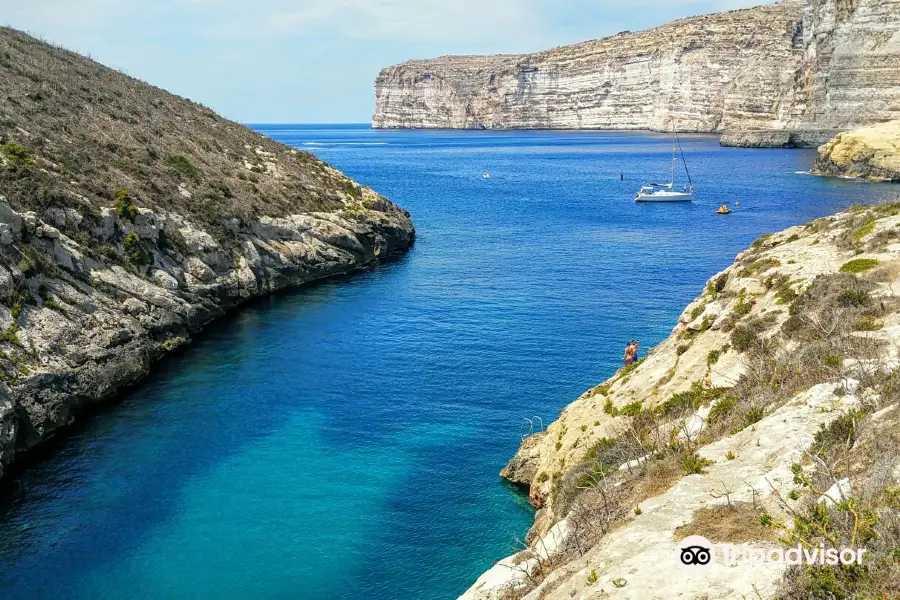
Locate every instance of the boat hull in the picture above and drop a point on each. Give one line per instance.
(665, 197)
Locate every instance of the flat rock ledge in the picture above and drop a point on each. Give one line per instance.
(871, 153)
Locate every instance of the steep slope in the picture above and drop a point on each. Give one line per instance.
(791, 73)
(778, 383)
(129, 218)
(849, 77)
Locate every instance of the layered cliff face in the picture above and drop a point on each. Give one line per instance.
(771, 412)
(129, 218)
(792, 73)
(871, 152)
(704, 71)
(851, 68)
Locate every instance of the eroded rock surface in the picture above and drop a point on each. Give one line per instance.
(793, 73)
(130, 218)
(871, 152)
(800, 332)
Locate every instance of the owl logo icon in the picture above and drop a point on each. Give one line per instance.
(696, 554)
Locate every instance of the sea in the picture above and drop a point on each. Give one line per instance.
(343, 440)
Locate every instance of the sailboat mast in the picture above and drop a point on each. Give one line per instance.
(672, 180)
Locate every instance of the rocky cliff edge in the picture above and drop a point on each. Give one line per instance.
(769, 417)
(130, 218)
(871, 153)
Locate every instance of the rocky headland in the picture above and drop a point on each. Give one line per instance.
(794, 73)
(768, 417)
(872, 153)
(130, 218)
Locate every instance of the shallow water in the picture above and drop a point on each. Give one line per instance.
(343, 440)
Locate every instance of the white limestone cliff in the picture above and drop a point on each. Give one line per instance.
(791, 73)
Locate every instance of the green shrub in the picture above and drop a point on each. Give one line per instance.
(760, 266)
(16, 153)
(53, 305)
(758, 243)
(184, 167)
(10, 335)
(597, 450)
(628, 369)
(135, 250)
(171, 238)
(713, 357)
(863, 231)
(721, 409)
(867, 323)
(26, 265)
(717, 286)
(840, 432)
(633, 409)
(859, 265)
(743, 306)
(610, 408)
(785, 293)
(688, 400)
(125, 206)
(353, 190)
(834, 361)
(754, 414)
(694, 464)
(743, 338)
(854, 296)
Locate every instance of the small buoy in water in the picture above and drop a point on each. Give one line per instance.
(737, 203)
(486, 175)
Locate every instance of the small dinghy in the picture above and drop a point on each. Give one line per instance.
(723, 210)
(486, 175)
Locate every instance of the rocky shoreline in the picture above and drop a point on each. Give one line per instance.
(775, 386)
(94, 327)
(871, 153)
(125, 230)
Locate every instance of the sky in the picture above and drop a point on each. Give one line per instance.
(315, 61)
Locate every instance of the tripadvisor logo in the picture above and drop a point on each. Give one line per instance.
(696, 554)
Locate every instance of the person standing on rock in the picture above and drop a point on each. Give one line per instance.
(629, 354)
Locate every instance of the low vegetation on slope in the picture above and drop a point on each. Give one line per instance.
(73, 132)
(130, 217)
(769, 416)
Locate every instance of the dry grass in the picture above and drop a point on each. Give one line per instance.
(660, 475)
(88, 131)
(728, 524)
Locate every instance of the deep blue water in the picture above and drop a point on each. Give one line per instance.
(343, 441)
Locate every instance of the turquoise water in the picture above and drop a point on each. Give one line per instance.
(344, 440)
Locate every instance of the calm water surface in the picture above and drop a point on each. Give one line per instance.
(343, 441)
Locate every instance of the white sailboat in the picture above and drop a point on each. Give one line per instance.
(666, 192)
